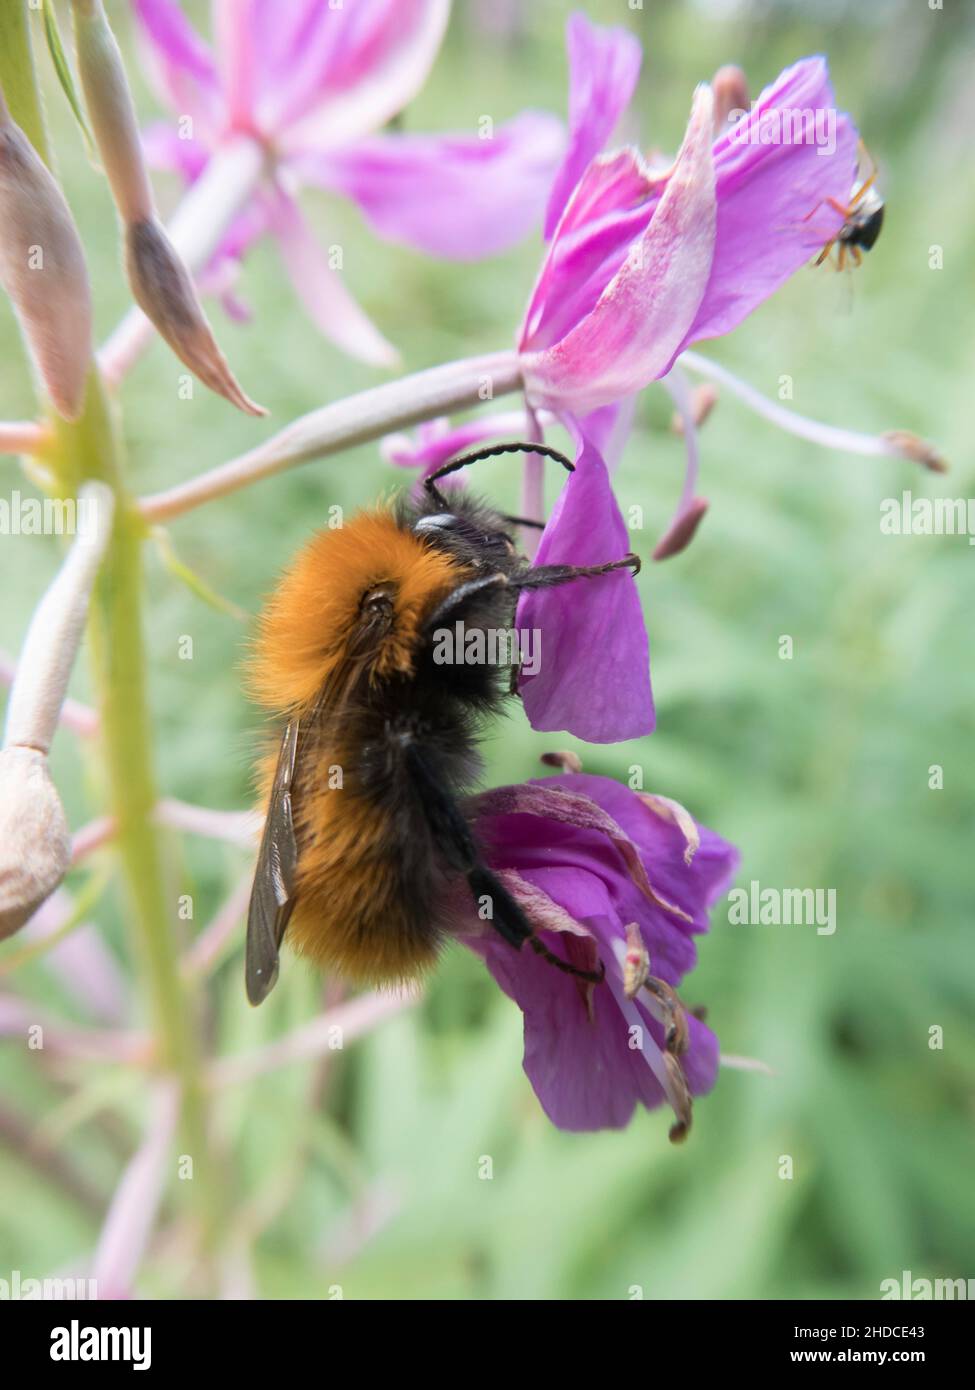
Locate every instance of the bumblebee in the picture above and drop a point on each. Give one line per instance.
(368, 861)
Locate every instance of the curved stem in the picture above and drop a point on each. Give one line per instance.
(346, 423)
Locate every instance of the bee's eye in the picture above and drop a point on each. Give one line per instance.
(377, 600)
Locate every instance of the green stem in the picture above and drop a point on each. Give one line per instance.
(17, 75)
(90, 448)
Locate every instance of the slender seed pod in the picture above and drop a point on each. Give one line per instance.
(42, 269)
(160, 282)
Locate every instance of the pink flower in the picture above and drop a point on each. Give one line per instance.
(312, 84)
(645, 262)
(604, 875)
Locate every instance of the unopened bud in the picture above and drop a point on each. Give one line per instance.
(682, 531)
(42, 268)
(35, 847)
(565, 760)
(912, 446)
(703, 400)
(164, 290)
(730, 87)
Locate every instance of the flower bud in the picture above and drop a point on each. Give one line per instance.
(730, 87)
(35, 847)
(164, 290)
(42, 268)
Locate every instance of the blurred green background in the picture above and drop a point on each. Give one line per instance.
(366, 1174)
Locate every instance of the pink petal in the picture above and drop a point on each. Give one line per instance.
(455, 196)
(611, 207)
(604, 65)
(643, 315)
(375, 65)
(164, 149)
(764, 193)
(594, 678)
(180, 62)
(322, 292)
(234, 32)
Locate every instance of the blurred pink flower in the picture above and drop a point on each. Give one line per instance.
(311, 84)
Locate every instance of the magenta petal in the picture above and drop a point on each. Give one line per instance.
(375, 57)
(454, 196)
(643, 315)
(321, 290)
(180, 61)
(594, 676)
(584, 1074)
(604, 65)
(765, 194)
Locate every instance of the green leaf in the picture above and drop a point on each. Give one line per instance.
(65, 75)
(191, 579)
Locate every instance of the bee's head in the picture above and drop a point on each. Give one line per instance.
(472, 533)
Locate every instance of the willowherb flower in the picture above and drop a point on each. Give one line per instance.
(644, 261)
(615, 880)
(645, 258)
(311, 84)
(160, 282)
(42, 268)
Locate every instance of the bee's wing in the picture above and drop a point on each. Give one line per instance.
(273, 894)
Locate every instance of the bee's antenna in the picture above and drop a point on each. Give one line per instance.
(520, 447)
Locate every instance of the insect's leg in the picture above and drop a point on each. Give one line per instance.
(857, 255)
(841, 256)
(463, 594)
(524, 521)
(452, 833)
(825, 251)
(835, 204)
(867, 183)
(548, 576)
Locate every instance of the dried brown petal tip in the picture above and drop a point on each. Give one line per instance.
(679, 1097)
(35, 847)
(673, 811)
(42, 268)
(565, 761)
(703, 400)
(667, 1009)
(164, 290)
(911, 446)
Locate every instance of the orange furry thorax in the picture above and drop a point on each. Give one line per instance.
(306, 624)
